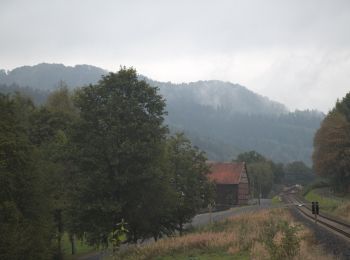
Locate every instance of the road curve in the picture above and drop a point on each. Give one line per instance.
(203, 219)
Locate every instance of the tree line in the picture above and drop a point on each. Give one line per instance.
(283, 138)
(331, 157)
(88, 160)
(242, 121)
(264, 174)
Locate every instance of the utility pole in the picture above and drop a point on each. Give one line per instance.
(210, 214)
(259, 192)
(72, 240)
(253, 190)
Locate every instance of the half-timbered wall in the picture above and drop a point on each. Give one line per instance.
(226, 194)
(243, 189)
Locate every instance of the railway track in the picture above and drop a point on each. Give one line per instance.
(335, 225)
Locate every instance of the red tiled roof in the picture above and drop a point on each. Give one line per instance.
(226, 173)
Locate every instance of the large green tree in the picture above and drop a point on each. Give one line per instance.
(25, 209)
(250, 157)
(50, 128)
(188, 168)
(263, 173)
(261, 178)
(298, 173)
(331, 157)
(117, 142)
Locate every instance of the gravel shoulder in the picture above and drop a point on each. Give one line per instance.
(331, 243)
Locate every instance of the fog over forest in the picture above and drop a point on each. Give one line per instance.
(175, 129)
(222, 118)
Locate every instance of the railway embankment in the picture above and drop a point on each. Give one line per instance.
(328, 240)
(329, 231)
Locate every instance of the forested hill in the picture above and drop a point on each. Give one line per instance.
(221, 118)
(47, 76)
(223, 96)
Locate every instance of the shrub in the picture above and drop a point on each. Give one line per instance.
(280, 239)
(319, 183)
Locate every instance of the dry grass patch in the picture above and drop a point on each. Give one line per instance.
(204, 241)
(309, 250)
(267, 234)
(343, 211)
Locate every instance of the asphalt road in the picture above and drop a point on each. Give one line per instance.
(203, 219)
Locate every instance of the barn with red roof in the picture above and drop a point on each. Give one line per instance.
(232, 183)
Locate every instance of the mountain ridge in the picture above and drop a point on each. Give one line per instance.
(221, 95)
(48, 76)
(220, 117)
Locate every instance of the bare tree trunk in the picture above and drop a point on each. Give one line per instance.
(72, 240)
(58, 218)
(181, 228)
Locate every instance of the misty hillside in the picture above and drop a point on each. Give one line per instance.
(221, 118)
(222, 96)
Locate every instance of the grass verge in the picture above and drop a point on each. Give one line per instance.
(276, 200)
(333, 205)
(81, 248)
(267, 234)
(326, 203)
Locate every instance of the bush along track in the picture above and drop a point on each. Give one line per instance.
(335, 241)
(268, 234)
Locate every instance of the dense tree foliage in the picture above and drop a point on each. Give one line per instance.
(47, 76)
(283, 138)
(332, 146)
(188, 170)
(38, 97)
(86, 161)
(25, 223)
(263, 173)
(117, 141)
(221, 118)
(124, 162)
(250, 157)
(261, 178)
(298, 172)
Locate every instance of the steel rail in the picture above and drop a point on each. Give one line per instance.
(324, 216)
(319, 220)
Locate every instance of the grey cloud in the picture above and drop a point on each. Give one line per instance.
(165, 37)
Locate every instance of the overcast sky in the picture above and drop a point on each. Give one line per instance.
(296, 52)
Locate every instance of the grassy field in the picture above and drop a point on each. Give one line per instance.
(81, 248)
(276, 200)
(327, 204)
(267, 234)
(334, 205)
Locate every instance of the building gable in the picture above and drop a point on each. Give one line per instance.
(232, 183)
(227, 173)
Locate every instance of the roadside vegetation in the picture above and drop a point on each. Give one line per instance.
(88, 160)
(267, 234)
(331, 157)
(81, 248)
(99, 160)
(267, 178)
(331, 162)
(276, 200)
(330, 203)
